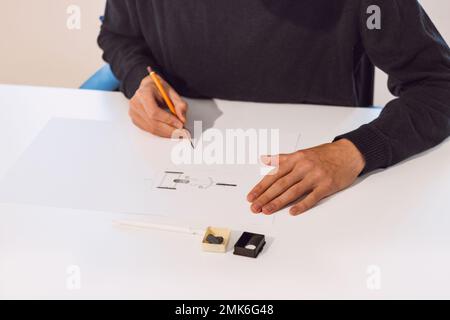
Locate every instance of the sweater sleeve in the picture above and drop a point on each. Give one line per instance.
(415, 56)
(123, 45)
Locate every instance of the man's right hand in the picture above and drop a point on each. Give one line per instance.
(147, 109)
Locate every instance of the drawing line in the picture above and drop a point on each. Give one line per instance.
(172, 179)
(167, 188)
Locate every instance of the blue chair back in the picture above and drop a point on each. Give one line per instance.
(104, 79)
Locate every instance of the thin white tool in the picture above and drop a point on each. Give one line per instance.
(161, 227)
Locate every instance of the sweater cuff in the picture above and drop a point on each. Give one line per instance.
(372, 145)
(133, 79)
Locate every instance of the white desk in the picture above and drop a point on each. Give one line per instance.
(397, 220)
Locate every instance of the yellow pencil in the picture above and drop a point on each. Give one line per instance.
(166, 97)
(162, 91)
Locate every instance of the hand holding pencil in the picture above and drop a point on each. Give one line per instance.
(148, 104)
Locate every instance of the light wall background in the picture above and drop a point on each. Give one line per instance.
(37, 48)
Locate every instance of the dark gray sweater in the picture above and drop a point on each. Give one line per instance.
(302, 51)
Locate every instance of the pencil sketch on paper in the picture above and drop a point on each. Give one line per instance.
(172, 179)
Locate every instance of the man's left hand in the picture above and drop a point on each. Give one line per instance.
(309, 175)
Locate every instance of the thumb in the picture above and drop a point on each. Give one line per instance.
(181, 106)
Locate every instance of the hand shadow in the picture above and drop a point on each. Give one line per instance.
(205, 111)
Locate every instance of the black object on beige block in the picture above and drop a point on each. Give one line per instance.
(249, 245)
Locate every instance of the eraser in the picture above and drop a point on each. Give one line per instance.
(213, 239)
(249, 245)
(216, 239)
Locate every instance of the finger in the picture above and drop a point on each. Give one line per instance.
(277, 188)
(292, 194)
(266, 182)
(308, 202)
(155, 127)
(154, 112)
(164, 130)
(273, 160)
(180, 105)
(178, 134)
(283, 167)
(137, 110)
(139, 121)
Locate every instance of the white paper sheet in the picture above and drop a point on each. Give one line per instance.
(102, 166)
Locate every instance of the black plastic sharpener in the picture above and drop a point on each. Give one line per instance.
(249, 245)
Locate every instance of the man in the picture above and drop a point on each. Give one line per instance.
(303, 51)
